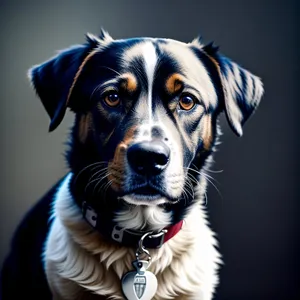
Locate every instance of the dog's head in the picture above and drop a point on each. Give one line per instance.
(146, 113)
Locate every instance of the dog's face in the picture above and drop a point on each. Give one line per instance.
(151, 111)
(146, 112)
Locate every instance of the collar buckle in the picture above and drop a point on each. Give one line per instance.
(150, 239)
(160, 236)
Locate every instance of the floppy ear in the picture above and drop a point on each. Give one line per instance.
(242, 93)
(242, 90)
(53, 79)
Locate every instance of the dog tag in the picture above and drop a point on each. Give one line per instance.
(140, 284)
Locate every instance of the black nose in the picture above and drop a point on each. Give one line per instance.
(148, 158)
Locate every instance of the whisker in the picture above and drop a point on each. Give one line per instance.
(101, 180)
(191, 193)
(202, 173)
(213, 171)
(105, 67)
(98, 172)
(96, 179)
(185, 196)
(213, 185)
(209, 170)
(87, 167)
(189, 183)
(102, 190)
(107, 185)
(208, 177)
(192, 178)
(189, 188)
(194, 170)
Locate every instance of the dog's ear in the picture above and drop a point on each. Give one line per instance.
(53, 79)
(242, 93)
(241, 89)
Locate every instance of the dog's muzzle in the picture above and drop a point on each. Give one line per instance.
(148, 158)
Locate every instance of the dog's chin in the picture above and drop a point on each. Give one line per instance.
(147, 196)
(148, 200)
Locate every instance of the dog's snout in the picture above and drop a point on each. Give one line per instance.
(149, 157)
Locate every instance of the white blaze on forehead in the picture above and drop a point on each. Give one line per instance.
(150, 59)
(147, 52)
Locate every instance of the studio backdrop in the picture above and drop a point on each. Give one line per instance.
(253, 204)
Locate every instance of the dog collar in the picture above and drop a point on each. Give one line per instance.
(129, 238)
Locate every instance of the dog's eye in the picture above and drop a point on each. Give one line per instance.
(112, 99)
(187, 102)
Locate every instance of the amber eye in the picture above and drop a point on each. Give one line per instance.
(187, 102)
(112, 99)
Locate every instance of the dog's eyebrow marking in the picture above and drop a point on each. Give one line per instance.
(108, 83)
(150, 58)
(129, 83)
(174, 83)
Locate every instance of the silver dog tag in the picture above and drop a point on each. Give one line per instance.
(140, 284)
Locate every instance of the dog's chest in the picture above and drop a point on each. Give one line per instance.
(179, 266)
(80, 265)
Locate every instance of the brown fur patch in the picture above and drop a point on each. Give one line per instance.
(85, 124)
(215, 63)
(207, 132)
(174, 83)
(116, 168)
(218, 68)
(89, 56)
(129, 135)
(130, 83)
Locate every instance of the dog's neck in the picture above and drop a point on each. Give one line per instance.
(124, 223)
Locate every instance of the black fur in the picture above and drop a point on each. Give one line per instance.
(23, 269)
(23, 272)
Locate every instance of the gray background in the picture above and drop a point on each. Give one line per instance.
(257, 215)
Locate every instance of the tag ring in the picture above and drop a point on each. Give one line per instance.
(141, 248)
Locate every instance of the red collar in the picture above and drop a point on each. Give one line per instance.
(126, 237)
(172, 231)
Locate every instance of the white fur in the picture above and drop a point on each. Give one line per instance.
(78, 260)
(139, 216)
(232, 84)
(150, 59)
(230, 89)
(146, 50)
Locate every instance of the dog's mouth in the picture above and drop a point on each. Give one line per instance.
(145, 195)
(146, 191)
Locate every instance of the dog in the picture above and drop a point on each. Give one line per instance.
(133, 203)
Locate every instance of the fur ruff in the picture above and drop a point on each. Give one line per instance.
(78, 260)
